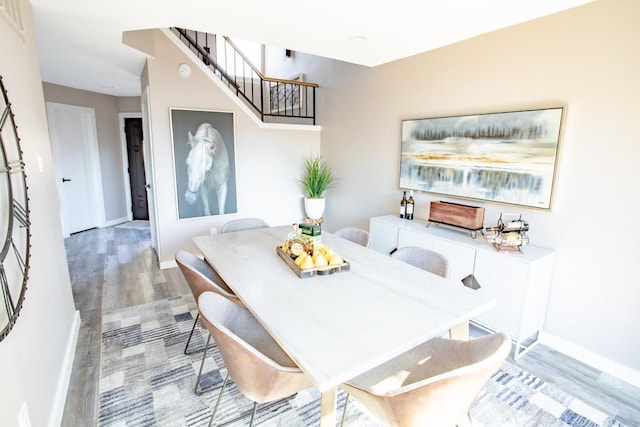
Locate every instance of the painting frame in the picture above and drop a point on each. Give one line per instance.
(285, 98)
(505, 157)
(188, 131)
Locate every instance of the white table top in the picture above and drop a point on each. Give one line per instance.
(338, 326)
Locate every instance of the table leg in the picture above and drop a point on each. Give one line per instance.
(328, 408)
(460, 332)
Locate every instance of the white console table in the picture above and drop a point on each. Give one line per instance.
(519, 282)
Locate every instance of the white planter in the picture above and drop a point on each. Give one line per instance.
(314, 207)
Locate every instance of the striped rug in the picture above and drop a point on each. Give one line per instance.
(147, 380)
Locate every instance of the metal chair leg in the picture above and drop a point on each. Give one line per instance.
(344, 410)
(215, 408)
(193, 328)
(253, 413)
(197, 389)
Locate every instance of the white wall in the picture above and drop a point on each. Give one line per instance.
(587, 59)
(268, 159)
(36, 357)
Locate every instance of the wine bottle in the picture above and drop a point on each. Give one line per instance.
(410, 205)
(403, 205)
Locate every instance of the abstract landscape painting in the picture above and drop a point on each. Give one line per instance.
(502, 157)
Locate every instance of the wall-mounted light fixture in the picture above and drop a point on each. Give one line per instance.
(184, 70)
(288, 53)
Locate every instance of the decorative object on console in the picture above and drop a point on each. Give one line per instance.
(502, 157)
(454, 214)
(317, 178)
(508, 236)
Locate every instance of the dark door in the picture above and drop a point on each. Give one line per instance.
(133, 132)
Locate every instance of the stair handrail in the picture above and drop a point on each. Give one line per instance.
(262, 76)
(283, 108)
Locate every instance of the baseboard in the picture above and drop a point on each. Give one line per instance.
(65, 373)
(615, 369)
(168, 264)
(117, 221)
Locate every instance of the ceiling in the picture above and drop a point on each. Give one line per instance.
(79, 41)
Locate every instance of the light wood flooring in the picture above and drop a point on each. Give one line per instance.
(115, 267)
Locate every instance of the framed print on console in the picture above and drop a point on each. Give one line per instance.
(506, 157)
(204, 162)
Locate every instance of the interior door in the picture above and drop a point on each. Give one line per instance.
(135, 154)
(72, 131)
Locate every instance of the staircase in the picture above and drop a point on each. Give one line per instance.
(272, 100)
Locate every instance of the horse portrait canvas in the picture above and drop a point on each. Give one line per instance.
(204, 162)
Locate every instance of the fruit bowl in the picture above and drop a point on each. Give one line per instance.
(311, 271)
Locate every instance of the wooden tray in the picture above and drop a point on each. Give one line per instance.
(310, 272)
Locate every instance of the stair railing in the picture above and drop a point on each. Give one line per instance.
(276, 99)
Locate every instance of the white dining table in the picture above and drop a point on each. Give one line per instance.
(338, 326)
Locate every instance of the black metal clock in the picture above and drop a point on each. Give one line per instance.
(14, 220)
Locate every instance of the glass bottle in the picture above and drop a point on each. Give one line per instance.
(403, 205)
(295, 243)
(410, 205)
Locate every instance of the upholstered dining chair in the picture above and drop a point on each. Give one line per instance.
(201, 277)
(243, 224)
(356, 235)
(425, 259)
(434, 384)
(258, 366)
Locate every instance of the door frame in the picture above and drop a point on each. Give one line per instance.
(125, 160)
(91, 158)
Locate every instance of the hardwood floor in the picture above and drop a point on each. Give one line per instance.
(110, 268)
(113, 268)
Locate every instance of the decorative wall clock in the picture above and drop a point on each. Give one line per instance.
(14, 220)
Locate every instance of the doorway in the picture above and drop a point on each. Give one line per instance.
(137, 181)
(74, 147)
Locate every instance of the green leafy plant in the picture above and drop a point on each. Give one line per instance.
(317, 178)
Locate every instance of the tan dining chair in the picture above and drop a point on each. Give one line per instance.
(258, 366)
(356, 235)
(201, 277)
(435, 384)
(425, 259)
(243, 224)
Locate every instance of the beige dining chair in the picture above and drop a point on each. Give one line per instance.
(243, 224)
(425, 259)
(435, 384)
(258, 366)
(356, 235)
(201, 277)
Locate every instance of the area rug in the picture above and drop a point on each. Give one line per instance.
(147, 380)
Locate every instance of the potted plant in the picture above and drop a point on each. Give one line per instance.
(317, 178)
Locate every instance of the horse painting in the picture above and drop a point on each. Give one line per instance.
(207, 168)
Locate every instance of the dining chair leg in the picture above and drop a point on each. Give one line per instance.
(253, 413)
(193, 328)
(197, 389)
(344, 410)
(215, 408)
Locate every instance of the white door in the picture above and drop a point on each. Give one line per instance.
(74, 147)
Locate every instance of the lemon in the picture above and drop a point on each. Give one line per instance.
(335, 260)
(307, 263)
(320, 261)
(301, 258)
